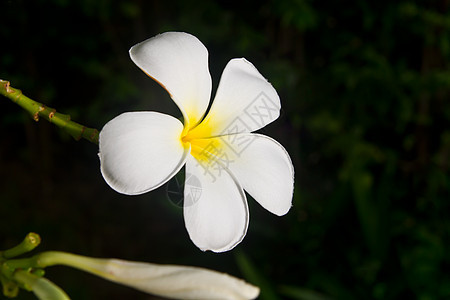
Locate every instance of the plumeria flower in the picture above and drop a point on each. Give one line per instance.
(140, 151)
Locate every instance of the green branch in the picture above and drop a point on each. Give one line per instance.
(39, 110)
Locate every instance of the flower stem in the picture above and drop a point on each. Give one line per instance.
(52, 258)
(96, 266)
(31, 241)
(37, 110)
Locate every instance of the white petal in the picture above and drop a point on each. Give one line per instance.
(260, 164)
(216, 216)
(245, 101)
(264, 169)
(179, 62)
(140, 151)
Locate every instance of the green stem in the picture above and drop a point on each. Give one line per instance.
(10, 266)
(52, 258)
(84, 263)
(36, 109)
(31, 241)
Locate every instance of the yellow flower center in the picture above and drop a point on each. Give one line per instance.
(204, 147)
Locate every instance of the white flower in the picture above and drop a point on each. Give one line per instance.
(140, 151)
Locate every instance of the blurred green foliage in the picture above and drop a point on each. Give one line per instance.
(365, 89)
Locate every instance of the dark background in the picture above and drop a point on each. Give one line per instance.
(365, 92)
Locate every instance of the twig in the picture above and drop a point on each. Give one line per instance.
(39, 110)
